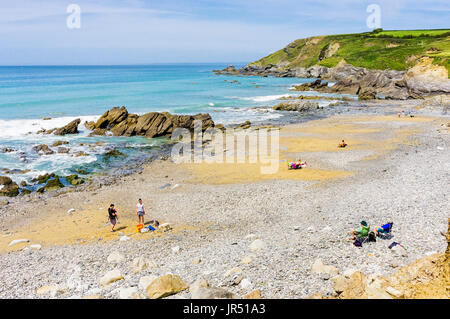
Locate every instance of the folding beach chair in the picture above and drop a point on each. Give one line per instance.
(385, 233)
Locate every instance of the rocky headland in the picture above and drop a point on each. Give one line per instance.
(422, 80)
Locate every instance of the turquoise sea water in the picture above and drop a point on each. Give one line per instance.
(30, 94)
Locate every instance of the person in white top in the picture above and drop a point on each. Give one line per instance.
(140, 210)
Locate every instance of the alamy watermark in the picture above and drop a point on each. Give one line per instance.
(73, 21)
(215, 146)
(373, 21)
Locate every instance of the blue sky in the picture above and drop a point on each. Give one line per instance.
(150, 31)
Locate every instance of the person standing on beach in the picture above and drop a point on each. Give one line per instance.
(140, 210)
(112, 216)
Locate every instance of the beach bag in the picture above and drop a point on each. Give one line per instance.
(357, 243)
(139, 227)
(372, 237)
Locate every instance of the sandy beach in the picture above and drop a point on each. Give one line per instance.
(393, 169)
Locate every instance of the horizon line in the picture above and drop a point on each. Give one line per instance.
(131, 64)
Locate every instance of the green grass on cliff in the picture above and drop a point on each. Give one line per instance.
(396, 50)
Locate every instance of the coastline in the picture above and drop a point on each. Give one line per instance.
(211, 214)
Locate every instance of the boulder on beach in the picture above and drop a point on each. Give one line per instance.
(8, 187)
(212, 293)
(165, 286)
(52, 184)
(110, 277)
(74, 180)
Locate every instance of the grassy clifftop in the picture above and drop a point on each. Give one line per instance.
(396, 50)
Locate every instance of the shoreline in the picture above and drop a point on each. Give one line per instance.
(211, 216)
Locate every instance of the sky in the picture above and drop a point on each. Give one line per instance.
(189, 31)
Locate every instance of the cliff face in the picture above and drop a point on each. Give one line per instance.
(378, 50)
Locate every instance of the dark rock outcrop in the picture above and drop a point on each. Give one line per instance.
(299, 106)
(43, 149)
(74, 180)
(52, 184)
(154, 124)
(422, 80)
(8, 187)
(314, 86)
(71, 128)
(43, 178)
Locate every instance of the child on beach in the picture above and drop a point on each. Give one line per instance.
(112, 216)
(343, 144)
(140, 211)
(362, 232)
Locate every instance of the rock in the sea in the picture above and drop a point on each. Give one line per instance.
(153, 124)
(114, 153)
(63, 150)
(110, 277)
(115, 257)
(43, 149)
(41, 179)
(59, 143)
(71, 128)
(165, 286)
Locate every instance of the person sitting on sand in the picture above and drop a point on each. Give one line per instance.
(362, 232)
(140, 211)
(112, 216)
(343, 144)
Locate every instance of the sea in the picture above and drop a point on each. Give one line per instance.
(44, 97)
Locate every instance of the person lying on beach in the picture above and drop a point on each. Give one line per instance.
(362, 232)
(140, 211)
(384, 229)
(112, 216)
(343, 144)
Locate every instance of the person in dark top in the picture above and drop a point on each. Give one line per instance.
(112, 216)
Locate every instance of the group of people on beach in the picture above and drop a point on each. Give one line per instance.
(364, 232)
(140, 212)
